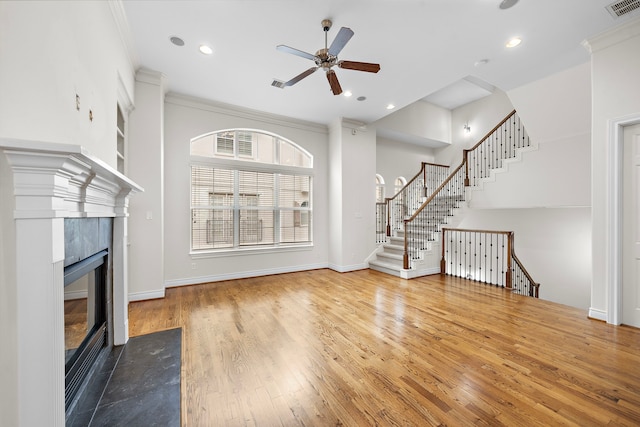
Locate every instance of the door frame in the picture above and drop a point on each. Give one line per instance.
(614, 213)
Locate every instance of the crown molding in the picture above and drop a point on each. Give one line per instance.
(236, 111)
(613, 36)
(124, 30)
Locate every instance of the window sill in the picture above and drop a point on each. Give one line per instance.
(219, 253)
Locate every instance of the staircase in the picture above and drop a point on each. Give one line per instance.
(417, 214)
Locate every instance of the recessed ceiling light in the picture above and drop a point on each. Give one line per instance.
(514, 42)
(361, 98)
(390, 107)
(481, 62)
(206, 49)
(347, 93)
(506, 4)
(176, 40)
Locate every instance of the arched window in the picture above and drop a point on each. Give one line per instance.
(249, 188)
(379, 188)
(399, 183)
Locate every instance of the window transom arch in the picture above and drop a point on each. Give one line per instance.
(249, 189)
(399, 184)
(251, 145)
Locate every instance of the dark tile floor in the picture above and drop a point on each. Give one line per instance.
(137, 385)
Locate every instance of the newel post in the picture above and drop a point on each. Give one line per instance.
(465, 153)
(443, 263)
(388, 201)
(405, 255)
(508, 282)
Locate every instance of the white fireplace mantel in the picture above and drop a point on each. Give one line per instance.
(62, 181)
(53, 181)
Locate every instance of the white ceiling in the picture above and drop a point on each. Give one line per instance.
(422, 46)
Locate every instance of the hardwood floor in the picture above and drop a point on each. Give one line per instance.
(321, 348)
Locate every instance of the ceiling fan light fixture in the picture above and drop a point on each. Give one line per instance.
(326, 58)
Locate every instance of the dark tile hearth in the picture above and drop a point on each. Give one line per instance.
(138, 385)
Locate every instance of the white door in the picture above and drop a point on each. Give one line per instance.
(631, 228)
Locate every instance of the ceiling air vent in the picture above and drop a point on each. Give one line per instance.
(623, 7)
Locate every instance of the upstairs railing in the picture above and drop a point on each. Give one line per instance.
(485, 256)
(501, 143)
(411, 196)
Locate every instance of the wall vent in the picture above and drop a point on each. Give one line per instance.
(623, 7)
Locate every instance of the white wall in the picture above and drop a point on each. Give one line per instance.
(615, 66)
(145, 164)
(553, 244)
(50, 52)
(420, 122)
(395, 158)
(556, 112)
(186, 118)
(357, 239)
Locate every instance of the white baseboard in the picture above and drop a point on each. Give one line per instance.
(241, 275)
(75, 295)
(141, 296)
(597, 314)
(412, 274)
(347, 268)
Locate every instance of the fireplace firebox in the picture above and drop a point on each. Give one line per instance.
(86, 303)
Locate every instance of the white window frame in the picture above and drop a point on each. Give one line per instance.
(304, 209)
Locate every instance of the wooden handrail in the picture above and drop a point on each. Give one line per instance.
(430, 198)
(530, 286)
(492, 130)
(465, 164)
(422, 172)
(422, 169)
(484, 138)
(536, 285)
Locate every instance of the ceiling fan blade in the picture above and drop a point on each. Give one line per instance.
(333, 82)
(301, 76)
(344, 35)
(360, 66)
(287, 49)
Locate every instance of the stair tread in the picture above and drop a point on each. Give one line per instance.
(388, 255)
(386, 265)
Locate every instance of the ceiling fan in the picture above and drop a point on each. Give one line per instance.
(326, 58)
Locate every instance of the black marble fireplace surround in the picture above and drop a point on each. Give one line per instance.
(88, 244)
